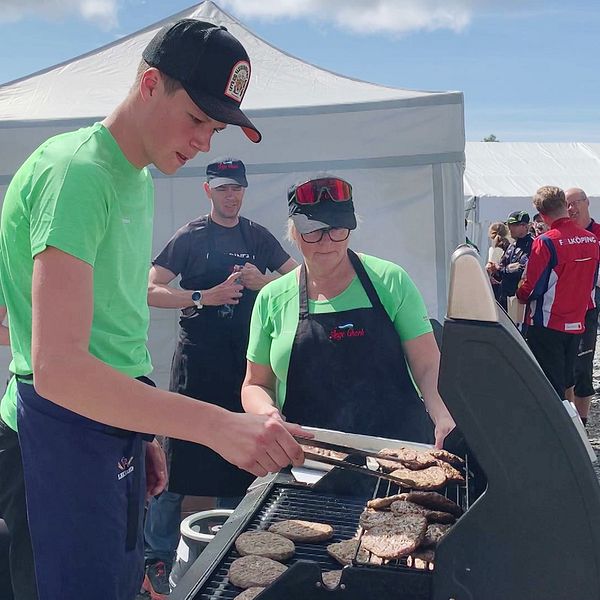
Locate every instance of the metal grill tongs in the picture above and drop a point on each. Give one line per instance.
(344, 464)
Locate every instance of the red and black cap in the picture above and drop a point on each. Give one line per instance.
(324, 213)
(211, 65)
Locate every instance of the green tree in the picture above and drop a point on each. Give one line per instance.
(490, 138)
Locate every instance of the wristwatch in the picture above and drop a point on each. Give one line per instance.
(197, 299)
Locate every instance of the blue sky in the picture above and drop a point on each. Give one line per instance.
(528, 68)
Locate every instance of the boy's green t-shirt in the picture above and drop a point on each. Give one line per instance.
(275, 314)
(78, 192)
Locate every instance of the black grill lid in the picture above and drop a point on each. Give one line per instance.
(535, 532)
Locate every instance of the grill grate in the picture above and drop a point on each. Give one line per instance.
(283, 502)
(341, 512)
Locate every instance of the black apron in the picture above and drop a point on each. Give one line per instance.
(210, 364)
(348, 372)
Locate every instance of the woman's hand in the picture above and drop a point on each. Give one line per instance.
(424, 361)
(443, 426)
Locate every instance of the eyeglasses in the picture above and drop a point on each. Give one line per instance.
(310, 192)
(336, 234)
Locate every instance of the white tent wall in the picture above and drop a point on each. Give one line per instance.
(502, 177)
(403, 152)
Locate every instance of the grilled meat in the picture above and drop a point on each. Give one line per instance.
(302, 531)
(264, 543)
(254, 571)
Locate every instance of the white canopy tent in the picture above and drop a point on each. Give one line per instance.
(402, 150)
(502, 177)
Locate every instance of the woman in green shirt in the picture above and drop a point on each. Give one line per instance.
(340, 342)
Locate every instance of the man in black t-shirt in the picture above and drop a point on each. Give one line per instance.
(223, 260)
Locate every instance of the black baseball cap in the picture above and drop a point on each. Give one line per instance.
(321, 215)
(226, 171)
(517, 217)
(211, 65)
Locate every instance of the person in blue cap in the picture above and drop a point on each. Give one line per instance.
(223, 259)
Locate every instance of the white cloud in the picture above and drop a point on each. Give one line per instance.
(370, 16)
(101, 12)
(394, 17)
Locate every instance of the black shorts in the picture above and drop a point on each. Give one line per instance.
(584, 362)
(13, 510)
(555, 352)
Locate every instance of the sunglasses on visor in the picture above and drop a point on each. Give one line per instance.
(310, 192)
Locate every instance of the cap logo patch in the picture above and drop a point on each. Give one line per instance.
(238, 81)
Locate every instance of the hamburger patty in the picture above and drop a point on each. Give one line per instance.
(434, 533)
(448, 457)
(431, 478)
(345, 551)
(371, 517)
(254, 571)
(422, 556)
(396, 539)
(382, 503)
(324, 452)
(401, 507)
(435, 501)
(452, 474)
(264, 543)
(302, 531)
(409, 457)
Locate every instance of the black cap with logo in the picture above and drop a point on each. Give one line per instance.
(211, 65)
(517, 217)
(226, 171)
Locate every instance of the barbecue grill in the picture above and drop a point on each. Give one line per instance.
(531, 527)
(338, 499)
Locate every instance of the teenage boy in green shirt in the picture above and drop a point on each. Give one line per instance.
(75, 244)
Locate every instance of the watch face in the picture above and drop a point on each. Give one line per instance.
(196, 296)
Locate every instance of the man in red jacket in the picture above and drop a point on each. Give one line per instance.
(557, 286)
(578, 206)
